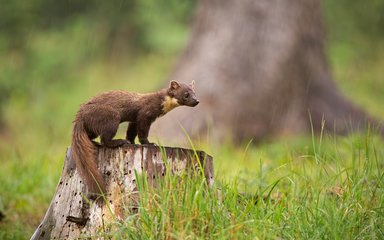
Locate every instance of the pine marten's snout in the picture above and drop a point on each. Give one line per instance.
(190, 99)
(196, 102)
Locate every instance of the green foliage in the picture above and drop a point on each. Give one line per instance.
(46, 42)
(357, 19)
(324, 191)
(137, 21)
(356, 48)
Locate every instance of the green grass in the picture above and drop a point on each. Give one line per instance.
(322, 193)
(290, 190)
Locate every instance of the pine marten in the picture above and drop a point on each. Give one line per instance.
(102, 115)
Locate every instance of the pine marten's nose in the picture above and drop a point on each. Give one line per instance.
(196, 102)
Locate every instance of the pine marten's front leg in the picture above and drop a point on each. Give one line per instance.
(131, 132)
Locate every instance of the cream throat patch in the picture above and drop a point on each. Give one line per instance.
(169, 104)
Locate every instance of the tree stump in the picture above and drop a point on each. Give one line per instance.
(71, 215)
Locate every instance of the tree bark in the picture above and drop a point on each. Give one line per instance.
(70, 214)
(261, 70)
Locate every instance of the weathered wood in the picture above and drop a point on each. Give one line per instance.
(70, 215)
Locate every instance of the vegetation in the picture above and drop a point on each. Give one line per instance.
(322, 193)
(55, 57)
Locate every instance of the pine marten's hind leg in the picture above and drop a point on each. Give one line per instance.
(143, 130)
(109, 131)
(131, 132)
(92, 137)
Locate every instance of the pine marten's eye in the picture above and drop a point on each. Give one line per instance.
(186, 95)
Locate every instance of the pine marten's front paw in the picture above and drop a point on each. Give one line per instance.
(151, 144)
(115, 143)
(146, 142)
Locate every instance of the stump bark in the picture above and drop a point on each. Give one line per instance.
(72, 215)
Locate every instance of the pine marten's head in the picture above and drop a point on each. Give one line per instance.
(180, 94)
(183, 93)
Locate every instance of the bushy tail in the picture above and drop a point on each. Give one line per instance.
(84, 153)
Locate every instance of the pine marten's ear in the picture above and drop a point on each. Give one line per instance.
(174, 85)
(192, 84)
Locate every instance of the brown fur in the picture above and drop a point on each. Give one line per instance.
(102, 115)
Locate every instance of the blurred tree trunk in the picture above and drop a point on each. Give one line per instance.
(261, 70)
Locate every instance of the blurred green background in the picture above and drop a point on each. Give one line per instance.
(57, 54)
